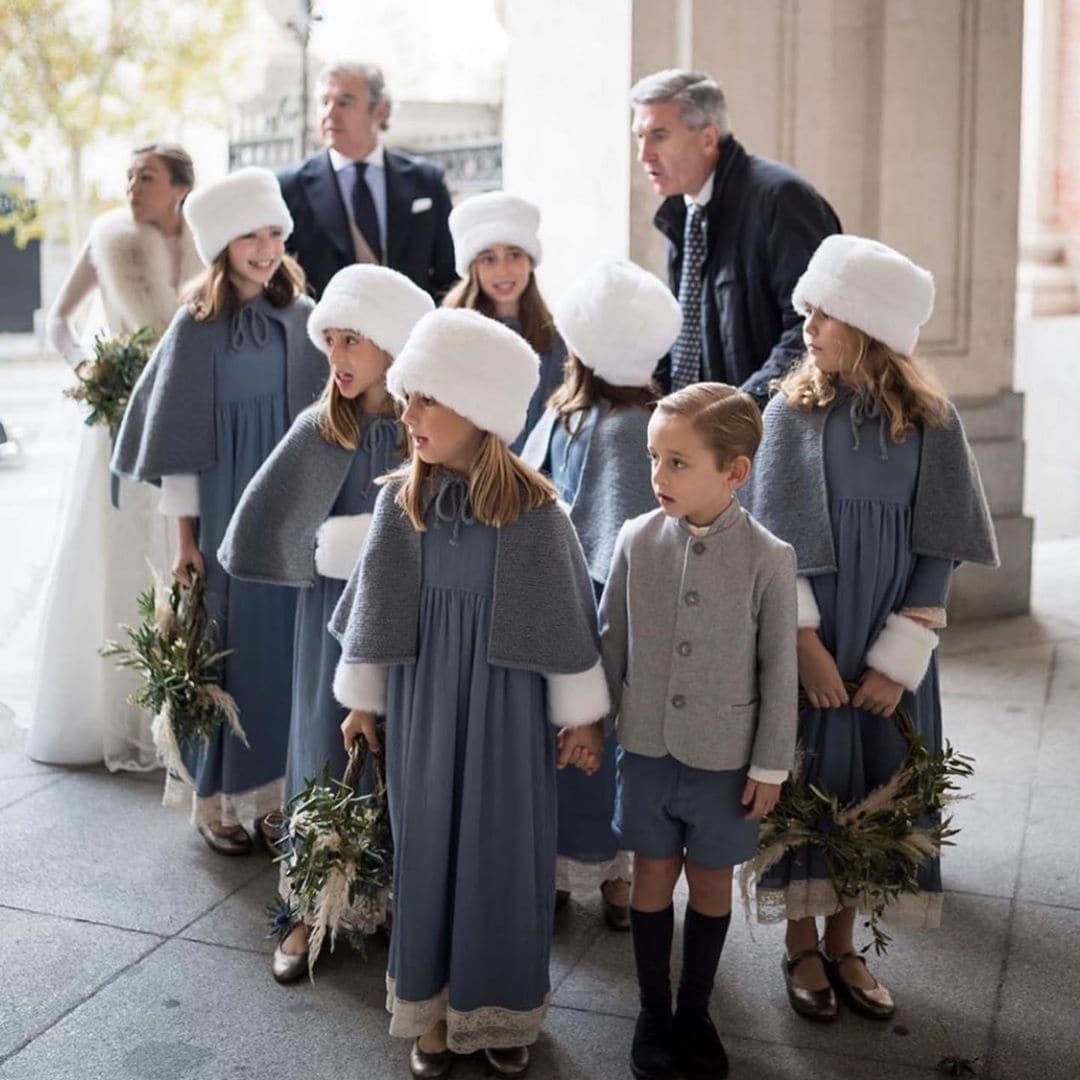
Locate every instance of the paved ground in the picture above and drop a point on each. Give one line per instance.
(130, 951)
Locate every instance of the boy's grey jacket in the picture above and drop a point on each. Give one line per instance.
(698, 640)
(787, 492)
(543, 613)
(271, 535)
(168, 427)
(616, 482)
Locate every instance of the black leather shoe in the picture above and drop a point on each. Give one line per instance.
(652, 1056)
(562, 898)
(809, 1004)
(617, 916)
(508, 1061)
(427, 1066)
(875, 1004)
(699, 1053)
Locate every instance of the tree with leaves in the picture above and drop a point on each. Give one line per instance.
(75, 71)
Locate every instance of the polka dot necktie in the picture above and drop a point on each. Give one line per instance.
(686, 352)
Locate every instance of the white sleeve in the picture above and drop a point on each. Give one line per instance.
(180, 495)
(902, 651)
(809, 618)
(577, 700)
(78, 285)
(361, 686)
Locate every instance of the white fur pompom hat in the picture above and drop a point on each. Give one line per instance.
(239, 203)
(374, 301)
(471, 364)
(493, 218)
(619, 320)
(870, 286)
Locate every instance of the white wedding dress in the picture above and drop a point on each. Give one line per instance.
(102, 556)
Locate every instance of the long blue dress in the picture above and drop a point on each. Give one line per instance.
(471, 784)
(315, 725)
(236, 783)
(871, 485)
(588, 845)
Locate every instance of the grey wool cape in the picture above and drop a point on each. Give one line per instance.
(168, 427)
(787, 493)
(271, 536)
(543, 614)
(615, 478)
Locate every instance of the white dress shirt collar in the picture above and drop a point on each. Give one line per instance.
(704, 195)
(377, 157)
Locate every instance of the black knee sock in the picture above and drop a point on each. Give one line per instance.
(703, 942)
(652, 932)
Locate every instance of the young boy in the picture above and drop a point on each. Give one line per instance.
(698, 632)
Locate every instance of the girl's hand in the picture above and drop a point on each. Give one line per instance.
(582, 747)
(188, 555)
(877, 693)
(818, 673)
(761, 798)
(361, 725)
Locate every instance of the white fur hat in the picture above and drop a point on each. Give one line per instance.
(375, 301)
(493, 218)
(239, 203)
(619, 320)
(471, 364)
(869, 286)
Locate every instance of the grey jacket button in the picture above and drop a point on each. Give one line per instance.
(698, 548)
(691, 598)
(678, 701)
(685, 649)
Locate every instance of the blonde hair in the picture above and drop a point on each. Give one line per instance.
(213, 294)
(728, 419)
(340, 417)
(501, 486)
(537, 325)
(901, 386)
(582, 388)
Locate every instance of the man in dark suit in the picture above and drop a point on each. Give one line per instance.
(357, 201)
(740, 231)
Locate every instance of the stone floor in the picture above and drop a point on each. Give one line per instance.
(128, 950)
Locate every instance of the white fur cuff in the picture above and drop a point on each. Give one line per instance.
(577, 700)
(179, 495)
(338, 544)
(361, 686)
(902, 651)
(809, 617)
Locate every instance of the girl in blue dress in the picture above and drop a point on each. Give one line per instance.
(232, 371)
(303, 518)
(618, 322)
(865, 470)
(470, 624)
(497, 251)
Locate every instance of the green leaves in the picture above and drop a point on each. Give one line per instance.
(106, 381)
(873, 848)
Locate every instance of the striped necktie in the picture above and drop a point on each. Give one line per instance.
(686, 352)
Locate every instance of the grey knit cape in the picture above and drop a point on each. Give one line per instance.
(615, 479)
(543, 612)
(168, 427)
(787, 492)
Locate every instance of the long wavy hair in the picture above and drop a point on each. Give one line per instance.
(501, 486)
(212, 294)
(582, 388)
(901, 386)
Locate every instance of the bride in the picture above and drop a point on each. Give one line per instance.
(137, 257)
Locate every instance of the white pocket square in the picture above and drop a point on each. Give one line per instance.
(420, 205)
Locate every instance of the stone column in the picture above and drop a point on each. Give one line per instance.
(904, 113)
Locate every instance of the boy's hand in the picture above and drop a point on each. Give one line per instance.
(818, 673)
(761, 798)
(582, 747)
(877, 693)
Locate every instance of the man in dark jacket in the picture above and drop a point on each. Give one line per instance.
(356, 201)
(740, 232)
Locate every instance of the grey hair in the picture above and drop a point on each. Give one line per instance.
(372, 75)
(699, 97)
